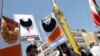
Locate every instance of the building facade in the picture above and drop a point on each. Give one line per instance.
(45, 50)
(80, 36)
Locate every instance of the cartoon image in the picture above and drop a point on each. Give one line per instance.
(48, 24)
(26, 24)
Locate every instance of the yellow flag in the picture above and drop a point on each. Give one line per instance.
(64, 26)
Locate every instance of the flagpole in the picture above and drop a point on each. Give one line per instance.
(64, 26)
(1, 10)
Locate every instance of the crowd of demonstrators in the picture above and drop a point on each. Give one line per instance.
(93, 50)
(64, 50)
(85, 51)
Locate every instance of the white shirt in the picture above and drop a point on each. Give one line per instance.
(57, 53)
(95, 50)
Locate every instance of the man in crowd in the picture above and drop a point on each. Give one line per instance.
(95, 50)
(31, 50)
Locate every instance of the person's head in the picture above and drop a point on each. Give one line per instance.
(91, 44)
(94, 1)
(82, 49)
(31, 50)
(99, 38)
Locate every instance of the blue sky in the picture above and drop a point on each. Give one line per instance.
(76, 12)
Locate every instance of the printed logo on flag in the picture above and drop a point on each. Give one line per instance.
(51, 28)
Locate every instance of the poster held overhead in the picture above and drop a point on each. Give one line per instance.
(28, 32)
(28, 26)
(52, 30)
(9, 38)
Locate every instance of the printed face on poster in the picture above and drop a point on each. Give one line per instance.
(27, 26)
(9, 35)
(51, 28)
(9, 31)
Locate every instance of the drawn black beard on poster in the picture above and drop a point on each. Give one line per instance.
(48, 24)
(27, 23)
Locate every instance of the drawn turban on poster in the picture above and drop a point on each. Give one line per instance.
(27, 25)
(51, 28)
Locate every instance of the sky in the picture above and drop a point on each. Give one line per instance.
(76, 12)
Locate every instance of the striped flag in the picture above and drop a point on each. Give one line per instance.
(9, 38)
(95, 10)
(51, 29)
